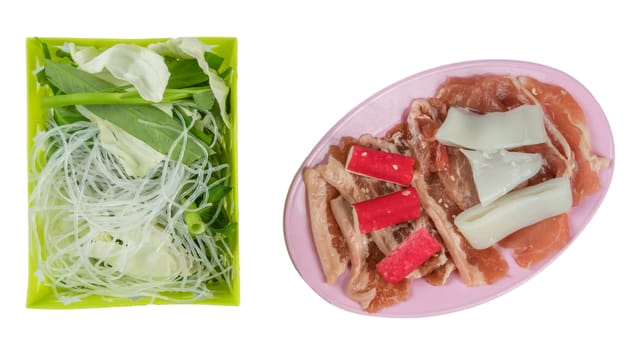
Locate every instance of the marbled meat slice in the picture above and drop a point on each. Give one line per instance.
(457, 179)
(365, 285)
(569, 118)
(356, 188)
(476, 267)
(535, 243)
(495, 93)
(360, 188)
(440, 275)
(566, 154)
(330, 244)
(482, 93)
(395, 141)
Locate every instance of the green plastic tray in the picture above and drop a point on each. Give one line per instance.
(40, 295)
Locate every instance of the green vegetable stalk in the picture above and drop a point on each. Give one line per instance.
(193, 220)
(123, 98)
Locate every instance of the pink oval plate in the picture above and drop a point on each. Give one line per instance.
(385, 109)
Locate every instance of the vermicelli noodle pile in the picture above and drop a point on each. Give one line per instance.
(98, 231)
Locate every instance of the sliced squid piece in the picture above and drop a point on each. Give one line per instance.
(483, 226)
(497, 173)
(517, 127)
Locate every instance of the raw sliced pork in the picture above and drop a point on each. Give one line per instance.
(330, 245)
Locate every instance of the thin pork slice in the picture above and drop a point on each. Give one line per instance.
(330, 244)
(365, 285)
(440, 275)
(395, 141)
(457, 179)
(355, 188)
(566, 154)
(476, 267)
(495, 93)
(482, 93)
(535, 243)
(358, 188)
(568, 117)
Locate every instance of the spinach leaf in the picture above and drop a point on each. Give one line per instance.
(204, 99)
(216, 193)
(46, 51)
(226, 230)
(145, 122)
(67, 115)
(226, 72)
(152, 126)
(214, 61)
(72, 80)
(185, 73)
(200, 134)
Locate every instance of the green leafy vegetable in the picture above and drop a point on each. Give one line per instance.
(191, 48)
(131, 196)
(145, 122)
(69, 79)
(137, 158)
(204, 99)
(67, 115)
(197, 131)
(185, 72)
(152, 126)
(216, 193)
(214, 61)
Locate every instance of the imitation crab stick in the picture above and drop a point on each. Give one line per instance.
(386, 210)
(391, 167)
(411, 253)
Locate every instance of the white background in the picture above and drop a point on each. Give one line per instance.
(301, 68)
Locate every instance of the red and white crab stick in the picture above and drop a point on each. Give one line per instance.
(386, 210)
(380, 165)
(411, 253)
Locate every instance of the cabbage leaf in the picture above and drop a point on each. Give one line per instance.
(192, 48)
(143, 68)
(136, 156)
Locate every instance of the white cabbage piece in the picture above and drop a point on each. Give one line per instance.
(125, 63)
(145, 253)
(193, 48)
(137, 157)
